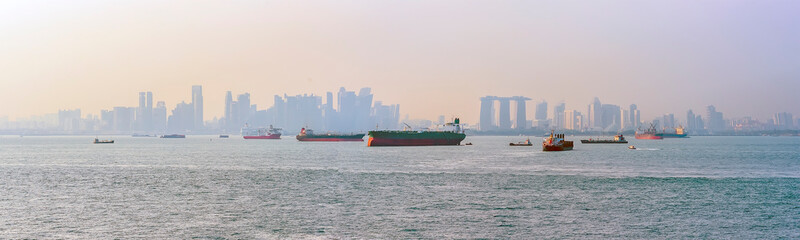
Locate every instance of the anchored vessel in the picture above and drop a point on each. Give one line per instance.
(308, 135)
(98, 141)
(556, 142)
(679, 133)
(527, 142)
(451, 134)
(173, 136)
(617, 139)
(650, 133)
(261, 133)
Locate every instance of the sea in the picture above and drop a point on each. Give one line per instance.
(205, 187)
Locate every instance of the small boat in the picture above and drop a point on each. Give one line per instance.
(173, 136)
(468, 144)
(617, 139)
(261, 133)
(525, 143)
(631, 147)
(98, 141)
(556, 142)
(223, 136)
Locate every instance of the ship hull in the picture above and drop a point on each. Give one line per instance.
(648, 137)
(330, 138)
(413, 138)
(568, 145)
(671, 135)
(273, 136)
(601, 141)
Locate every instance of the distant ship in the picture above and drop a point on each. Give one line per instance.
(556, 142)
(98, 141)
(451, 134)
(679, 133)
(308, 135)
(527, 142)
(142, 135)
(617, 139)
(223, 136)
(173, 136)
(261, 133)
(650, 133)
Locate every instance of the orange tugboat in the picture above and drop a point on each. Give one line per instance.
(556, 142)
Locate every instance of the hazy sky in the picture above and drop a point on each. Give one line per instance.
(431, 57)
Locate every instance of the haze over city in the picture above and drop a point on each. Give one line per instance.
(432, 58)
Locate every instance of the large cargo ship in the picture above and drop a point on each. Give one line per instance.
(679, 133)
(650, 133)
(556, 142)
(451, 134)
(261, 133)
(308, 135)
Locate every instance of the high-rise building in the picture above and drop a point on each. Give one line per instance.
(784, 120)
(610, 117)
(123, 119)
(572, 120)
(634, 116)
(160, 117)
(69, 120)
(504, 119)
(487, 113)
(715, 121)
(230, 122)
(691, 121)
(669, 121)
(182, 118)
(596, 114)
(559, 120)
(197, 104)
(521, 116)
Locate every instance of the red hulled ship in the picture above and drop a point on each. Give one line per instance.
(261, 133)
(650, 133)
(556, 142)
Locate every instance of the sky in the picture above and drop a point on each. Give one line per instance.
(431, 57)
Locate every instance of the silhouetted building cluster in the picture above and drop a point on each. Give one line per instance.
(503, 121)
(350, 112)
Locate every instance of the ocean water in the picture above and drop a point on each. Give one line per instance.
(206, 187)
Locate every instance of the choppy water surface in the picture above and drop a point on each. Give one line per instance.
(205, 187)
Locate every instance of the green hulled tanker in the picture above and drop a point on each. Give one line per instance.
(451, 134)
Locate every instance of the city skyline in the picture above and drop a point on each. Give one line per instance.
(738, 56)
(352, 112)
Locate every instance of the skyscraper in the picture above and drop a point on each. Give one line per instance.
(521, 116)
(784, 120)
(487, 113)
(505, 114)
(541, 111)
(691, 120)
(197, 102)
(596, 114)
(634, 115)
(229, 119)
(559, 120)
(715, 121)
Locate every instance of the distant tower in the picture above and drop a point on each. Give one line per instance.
(505, 113)
(197, 101)
(559, 120)
(487, 113)
(229, 121)
(596, 115)
(522, 120)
